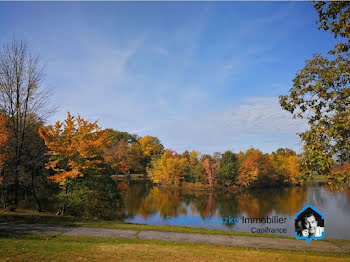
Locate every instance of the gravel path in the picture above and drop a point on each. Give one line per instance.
(226, 240)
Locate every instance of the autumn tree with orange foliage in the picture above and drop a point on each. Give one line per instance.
(75, 146)
(210, 168)
(4, 137)
(337, 175)
(257, 170)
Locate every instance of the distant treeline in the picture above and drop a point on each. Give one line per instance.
(245, 169)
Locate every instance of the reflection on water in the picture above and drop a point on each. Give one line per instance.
(149, 204)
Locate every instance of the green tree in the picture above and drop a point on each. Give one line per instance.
(321, 94)
(228, 171)
(35, 177)
(116, 136)
(93, 196)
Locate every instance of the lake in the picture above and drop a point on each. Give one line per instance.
(148, 204)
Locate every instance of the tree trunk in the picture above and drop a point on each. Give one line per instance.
(35, 194)
(63, 209)
(3, 192)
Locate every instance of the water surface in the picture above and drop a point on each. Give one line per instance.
(147, 204)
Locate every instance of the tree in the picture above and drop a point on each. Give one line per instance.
(151, 147)
(228, 168)
(334, 16)
(34, 158)
(287, 164)
(116, 136)
(321, 94)
(76, 147)
(256, 170)
(210, 167)
(93, 196)
(168, 169)
(116, 156)
(4, 137)
(194, 171)
(22, 97)
(135, 158)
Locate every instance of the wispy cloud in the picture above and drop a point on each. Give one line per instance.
(256, 121)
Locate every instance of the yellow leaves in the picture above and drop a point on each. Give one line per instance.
(290, 168)
(150, 146)
(75, 144)
(194, 158)
(169, 169)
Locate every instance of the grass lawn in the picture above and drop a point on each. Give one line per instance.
(37, 247)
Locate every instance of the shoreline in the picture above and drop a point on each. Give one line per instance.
(33, 217)
(201, 187)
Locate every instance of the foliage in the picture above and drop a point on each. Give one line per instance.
(338, 175)
(93, 196)
(76, 145)
(117, 136)
(321, 94)
(193, 172)
(257, 170)
(135, 158)
(124, 157)
(287, 165)
(115, 156)
(210, 168)
(334, 16)
(228, 171)
(168, 169)
(151, 147)
(4, 137)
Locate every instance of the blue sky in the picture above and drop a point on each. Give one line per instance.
(199, 76)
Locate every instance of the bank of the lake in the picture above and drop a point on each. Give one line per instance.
(205, 187)
(34, 217)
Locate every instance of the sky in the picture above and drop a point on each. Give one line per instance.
(200, 76)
